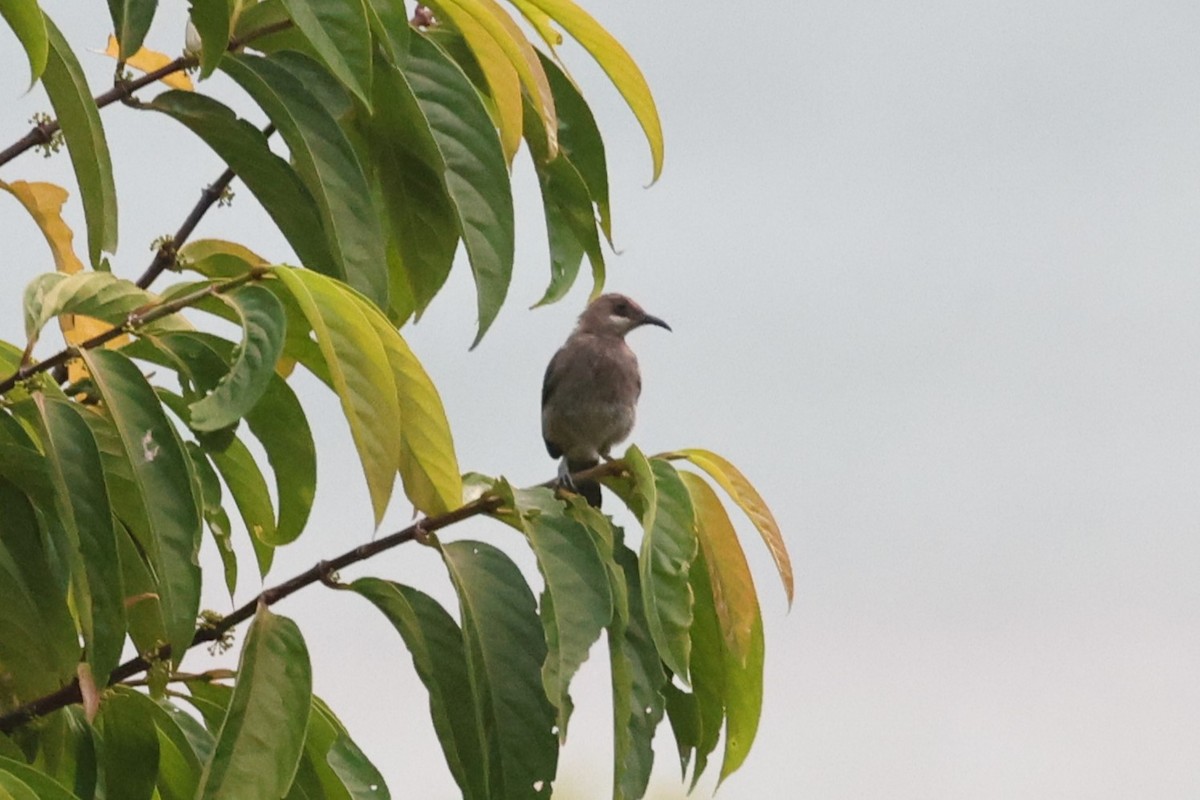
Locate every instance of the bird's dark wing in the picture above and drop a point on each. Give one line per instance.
(549, 383)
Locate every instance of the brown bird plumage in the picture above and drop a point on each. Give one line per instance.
(591, 388)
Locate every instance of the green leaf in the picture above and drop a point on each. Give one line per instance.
(80, 121)
(214, 514)
(707, 667)
(505, 651)
(326, 161)
(340, 35)
(279, 424)
(13, 788)
(612, 58)
(182, 744)
(743, 701)
(76, 471)
(26, 21)
(423, 221)
(214, 22)
(38, 644)
(428, 464)
(67, 751)
(341, 767)
(270, 178)
(389, 22)
(42, 786)
(249, 489)
(472, 168)
(360, 373)
(637, 687)
(579, 140)
(162, 475)
(661, 501)
(751, 502)
(436, 645)
(131, 19)
(263, 328)
(262, 737)
(577, 602)
(129, 755)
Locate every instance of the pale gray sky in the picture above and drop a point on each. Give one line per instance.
(934, 272)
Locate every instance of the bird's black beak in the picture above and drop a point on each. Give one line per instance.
(648, 319)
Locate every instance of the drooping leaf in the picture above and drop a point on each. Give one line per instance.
(262, 736)
(131, 19)
(428, 464)
(17, 777)
(44, 202)
(326, 161)
(270, 178)
(26, 21)
(577, 603)
(732, 585)
(502, 81)
(743, 701)
(612, 58)
(67, 751)
(214, 514)
(38, 644)
(279, 424)
(130, 752)
(73, 459)
(360, 373)
(333, 751)
(570, 221)
(389, 22)
(81, 128)
(249, 489)
(146, 60)
(183, 745)
(505, 651)
(263, 328)
(668, 546)
(165, 487)
(707, 666)
(472, 168)
(214, 22)
(751, 502)
(579, 139)
(340, 34)
(422, 220)
(436, 645)
(637, 687)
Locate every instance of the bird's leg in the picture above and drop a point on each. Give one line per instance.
(564, 475)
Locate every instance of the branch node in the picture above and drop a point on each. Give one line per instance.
(328, 575)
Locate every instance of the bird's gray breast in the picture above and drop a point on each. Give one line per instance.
(591, 392)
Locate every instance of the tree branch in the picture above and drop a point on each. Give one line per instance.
(318, 573)
(168, 251)
(42, 133)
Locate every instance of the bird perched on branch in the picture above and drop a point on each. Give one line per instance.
(591, 389)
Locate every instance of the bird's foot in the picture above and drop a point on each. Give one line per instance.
(565, 481)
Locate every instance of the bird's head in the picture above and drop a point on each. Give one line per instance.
(616, 315)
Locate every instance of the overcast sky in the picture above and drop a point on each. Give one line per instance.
(934, 275)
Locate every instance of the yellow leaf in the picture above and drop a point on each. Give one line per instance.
(147, 60)
(428, 464)
(502, 79)
(520, 54)
(610, 55)
(729, 575)
(44, 202)
(751, 502)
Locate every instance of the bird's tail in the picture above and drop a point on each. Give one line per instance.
(589, 489)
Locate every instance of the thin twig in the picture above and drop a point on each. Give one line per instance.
(167, 252)
(42, 133)
(318, 573)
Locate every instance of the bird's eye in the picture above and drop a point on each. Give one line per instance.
(622, 310)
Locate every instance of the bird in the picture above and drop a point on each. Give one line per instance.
(591, 388)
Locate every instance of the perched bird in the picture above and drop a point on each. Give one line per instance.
(591, 389)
